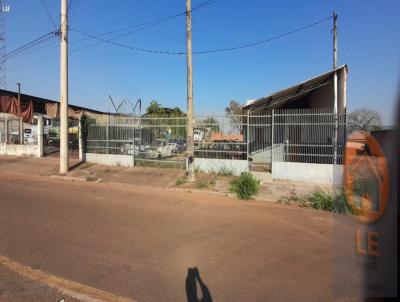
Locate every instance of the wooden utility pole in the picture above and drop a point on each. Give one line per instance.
(64, 163)
(335, 85)
(189, 126)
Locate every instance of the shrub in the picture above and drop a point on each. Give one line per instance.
(320, 199)
(342, 205)
(179, 181)
(245, 186)
(324, 200)
(201, 184)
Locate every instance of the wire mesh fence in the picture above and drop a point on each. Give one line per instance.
(294, 135)
(308, 136)
(220, 137)
(147, 139)
(9, 129)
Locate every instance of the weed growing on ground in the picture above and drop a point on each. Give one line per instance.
(325, 200)
(201, 184)
(246, 186)
(179, 181)
(92, 178)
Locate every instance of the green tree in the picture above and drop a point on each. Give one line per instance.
(155, 108)
(211, 123)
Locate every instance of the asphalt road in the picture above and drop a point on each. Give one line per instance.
(141, 243)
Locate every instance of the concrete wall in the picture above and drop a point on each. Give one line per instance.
(19, 150)
(209, 165)
(110, 159)
(264, 156)
(313, 173)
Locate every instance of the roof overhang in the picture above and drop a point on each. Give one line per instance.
(295, 92)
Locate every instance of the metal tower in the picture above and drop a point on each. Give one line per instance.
(3, 74)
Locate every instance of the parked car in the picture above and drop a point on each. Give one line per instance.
(134, 148)
(159, 148)
(198, 135)
(173, 143)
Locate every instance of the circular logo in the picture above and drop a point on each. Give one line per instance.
(366, 177)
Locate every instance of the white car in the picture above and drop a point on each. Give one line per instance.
(159, 149)
(198, 135)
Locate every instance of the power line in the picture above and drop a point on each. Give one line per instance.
(73, 6)
(247, 45)
(26, 46)
(49, 15)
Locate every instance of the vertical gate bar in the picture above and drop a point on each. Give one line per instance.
(272, 136)
(248, 134)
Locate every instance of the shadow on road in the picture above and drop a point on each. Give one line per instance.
(192, 278)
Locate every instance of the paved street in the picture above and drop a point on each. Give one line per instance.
(139, 242)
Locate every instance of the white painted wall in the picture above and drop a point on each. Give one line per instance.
(110, 159)
(313, 173)
(19, 150)
(210, 165)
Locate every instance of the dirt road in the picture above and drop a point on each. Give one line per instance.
(138, 243)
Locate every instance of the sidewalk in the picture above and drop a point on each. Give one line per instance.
(278, 191)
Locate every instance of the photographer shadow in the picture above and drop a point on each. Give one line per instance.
(192, 278)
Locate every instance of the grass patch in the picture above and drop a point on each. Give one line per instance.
(201, 184)
(180, 181)
(92, 178)
(321, 199)
(246, 186)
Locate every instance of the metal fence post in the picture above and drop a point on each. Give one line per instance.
(6, 130)
(107, 133)
(133, 144)
(272, 136)
(248, 134)
(40, 134)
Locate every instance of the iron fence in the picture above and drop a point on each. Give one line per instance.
(146, 139)
(220, 137)
(293, 135)
(308, 136)
(9, 129)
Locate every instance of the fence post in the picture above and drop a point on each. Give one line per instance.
(133, 152)
(6, 130)
(107, 132)
(21, 131)
(82, 157)
(40, 134)
(248, 134)
(272, 136)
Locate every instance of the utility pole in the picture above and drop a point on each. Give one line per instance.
(21, 124)
(335, 85)
(189, 126)
(64, 163)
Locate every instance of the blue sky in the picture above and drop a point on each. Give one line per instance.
(369, 42)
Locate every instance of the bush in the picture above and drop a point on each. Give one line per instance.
(245, 186)
(320, 199)
(324, 200)
(179, 181)
(201, 184)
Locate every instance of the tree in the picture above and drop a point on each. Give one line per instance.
(155, 108)
(234, 113)
(209, 122)
(364, 119)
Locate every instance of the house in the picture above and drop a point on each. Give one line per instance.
(31, 105)
(317, 92)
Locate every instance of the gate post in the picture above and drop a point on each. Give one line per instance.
(40, 135)
(272, 136)
(6, 129)
(248, 134)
